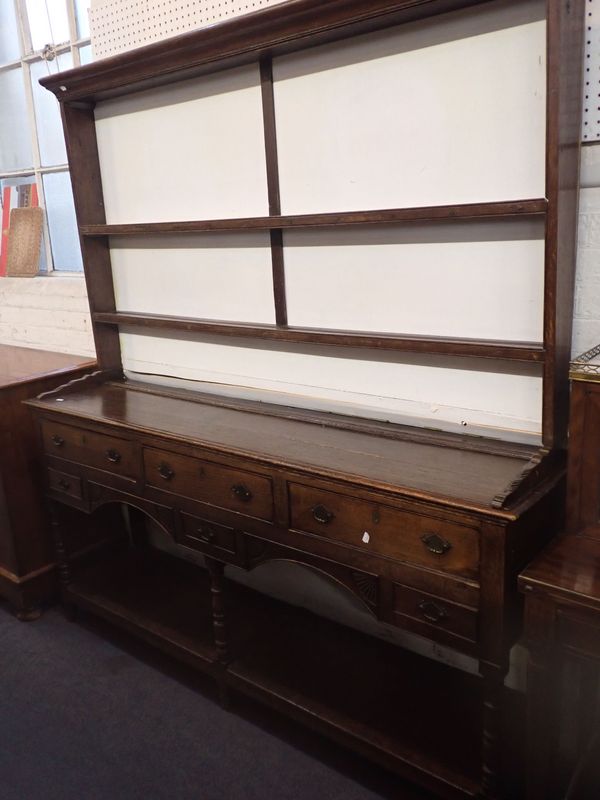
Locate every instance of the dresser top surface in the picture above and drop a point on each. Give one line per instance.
(568, 568)
(427, 465)
(22, 364)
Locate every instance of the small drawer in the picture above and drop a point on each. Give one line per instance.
(433, 612)
(206, 536)
(244, 492)
(399, 535)
(63, 483)
(97, 450)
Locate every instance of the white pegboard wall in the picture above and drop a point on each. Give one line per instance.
(120, 25)
(591, 80)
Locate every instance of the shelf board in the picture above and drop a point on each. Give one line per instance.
(354, 688)
(451, 213)
(156, 597)
(479, 348)
(415, 716)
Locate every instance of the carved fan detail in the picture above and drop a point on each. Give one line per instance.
(367, 587)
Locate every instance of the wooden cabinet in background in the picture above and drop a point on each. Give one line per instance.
(562, 615)
(27, 574)
(583, 503)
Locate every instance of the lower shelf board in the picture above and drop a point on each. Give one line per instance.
(412, 715)
(415, 716)
(158, 598)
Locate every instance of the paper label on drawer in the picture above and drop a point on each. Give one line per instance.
(366, 537)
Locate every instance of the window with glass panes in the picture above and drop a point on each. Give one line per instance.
(38, 37)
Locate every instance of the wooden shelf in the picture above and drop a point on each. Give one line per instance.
(470, 211)
(358, 690)
(479, 348)
(361, 692)
(156, 597)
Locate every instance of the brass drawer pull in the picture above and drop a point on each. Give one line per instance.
(113, 456)
(57, 440)
(322, 515)
(64, 485)
(435, 544)
(165, 471)
(206, 534)
(431, 611)
(242, 492)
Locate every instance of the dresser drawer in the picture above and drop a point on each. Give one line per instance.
(63, 483)
(236, 490)
(375, 528)
(412, 605)
(206, 536)
(97, 450)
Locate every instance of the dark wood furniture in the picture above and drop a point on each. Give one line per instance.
(27, 566)
(428, 529)
(562, 607)
(562, 632)
(405, 522)
(583, 497)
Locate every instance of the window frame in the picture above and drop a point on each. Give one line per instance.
(29, 56)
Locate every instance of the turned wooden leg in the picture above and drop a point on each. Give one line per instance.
(62, 560)
(491, 770)
(216, 570)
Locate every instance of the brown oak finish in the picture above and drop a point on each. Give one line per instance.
(416, 493)
(418, 469)
(562, 615)
(27, 568)
(467, 211)
(562, 628)
(565, 28)
(483, 348)
(82, 150)
(437, 562)
(583, 495)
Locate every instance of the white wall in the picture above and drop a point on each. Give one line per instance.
(586, 312)
(46, 314)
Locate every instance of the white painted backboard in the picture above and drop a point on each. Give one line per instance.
(446, 111)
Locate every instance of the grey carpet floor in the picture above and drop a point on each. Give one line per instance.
(82, 717)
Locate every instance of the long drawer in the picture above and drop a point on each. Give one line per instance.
(98, 450)
(422, 540)
(207, 482)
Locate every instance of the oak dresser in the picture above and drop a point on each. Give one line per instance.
(427, 529)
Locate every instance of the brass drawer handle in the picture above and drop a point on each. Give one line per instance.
(57, 440)
(113, 456)
(64, 485)
(431, 611)
(322, 515)
(206, 534)
(165, 471)
(242, 492)
(435, 544)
